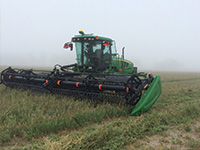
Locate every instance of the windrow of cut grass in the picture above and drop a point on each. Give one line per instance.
(26, 114)
(119, 133)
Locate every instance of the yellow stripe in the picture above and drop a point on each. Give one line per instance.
(145, 86)
(122, 60)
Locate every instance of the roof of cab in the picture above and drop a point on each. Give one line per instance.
(93, 36)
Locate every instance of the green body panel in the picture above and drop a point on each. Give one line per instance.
(117, 64)
(149, 97)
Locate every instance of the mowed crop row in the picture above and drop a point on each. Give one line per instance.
(63, 123)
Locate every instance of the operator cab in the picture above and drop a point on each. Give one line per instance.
(93, 52)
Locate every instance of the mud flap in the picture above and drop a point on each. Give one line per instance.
(149, 97)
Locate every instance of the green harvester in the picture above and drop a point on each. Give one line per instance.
(100, 74)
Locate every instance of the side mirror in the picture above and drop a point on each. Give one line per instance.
(67, 45)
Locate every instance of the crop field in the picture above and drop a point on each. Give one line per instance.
(31, 120)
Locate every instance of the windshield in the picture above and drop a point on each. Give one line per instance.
(95, 53)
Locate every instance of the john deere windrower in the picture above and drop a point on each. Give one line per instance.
(100, 75)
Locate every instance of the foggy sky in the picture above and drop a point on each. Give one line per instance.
(158, 35)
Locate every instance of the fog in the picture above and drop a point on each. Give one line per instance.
(158, 35)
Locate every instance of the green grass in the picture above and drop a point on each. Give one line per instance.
(26, 114)
(57, 122)
(119, 133)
